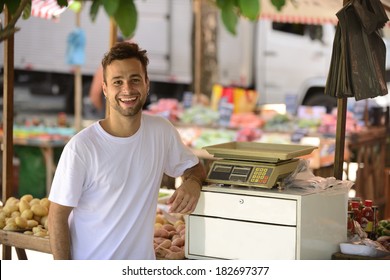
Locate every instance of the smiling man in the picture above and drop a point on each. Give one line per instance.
(104, 193)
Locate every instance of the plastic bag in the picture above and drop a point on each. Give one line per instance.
(303, 178)
(357, 65)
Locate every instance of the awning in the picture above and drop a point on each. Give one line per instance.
(47, 9)
(307, 11)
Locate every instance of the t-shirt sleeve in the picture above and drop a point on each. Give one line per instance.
(180, 157)
(68, 179)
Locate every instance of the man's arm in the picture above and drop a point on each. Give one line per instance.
(185, 198)
(59, 231)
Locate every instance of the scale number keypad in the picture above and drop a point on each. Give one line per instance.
(261, 175)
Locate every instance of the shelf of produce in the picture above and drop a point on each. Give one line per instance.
(24, 241)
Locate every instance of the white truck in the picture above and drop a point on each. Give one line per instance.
(279, 60)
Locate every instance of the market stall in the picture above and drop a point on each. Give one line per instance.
(302, 204)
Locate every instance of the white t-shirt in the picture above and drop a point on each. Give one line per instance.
(113, 184)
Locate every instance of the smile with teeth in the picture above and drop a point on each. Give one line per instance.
(127, 99)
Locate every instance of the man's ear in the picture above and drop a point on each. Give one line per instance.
(104, 87)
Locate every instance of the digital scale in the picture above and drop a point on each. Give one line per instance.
(241, 216)
(253, 164)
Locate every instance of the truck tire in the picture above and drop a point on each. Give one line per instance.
(320, 99)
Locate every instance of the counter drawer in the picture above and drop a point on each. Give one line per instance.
(249, 208)
(227, 239)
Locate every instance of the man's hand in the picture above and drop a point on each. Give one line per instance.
(185, 198)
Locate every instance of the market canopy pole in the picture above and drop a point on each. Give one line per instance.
(8, 113)
(197, 8)
(78, 88)
(340, 133)
(8, 103)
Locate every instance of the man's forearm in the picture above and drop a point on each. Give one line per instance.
(196, 173)
(59, 231)
(60, 241)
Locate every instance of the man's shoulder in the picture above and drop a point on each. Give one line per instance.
(156, 119)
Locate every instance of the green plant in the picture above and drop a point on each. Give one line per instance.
(124, 12)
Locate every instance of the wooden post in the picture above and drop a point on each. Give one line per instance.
(8, 114)
(340, 133)
(340, 138)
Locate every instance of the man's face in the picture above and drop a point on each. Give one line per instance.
(126, 86)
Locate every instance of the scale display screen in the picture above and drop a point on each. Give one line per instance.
(249, 174)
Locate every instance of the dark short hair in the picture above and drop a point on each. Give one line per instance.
(124, 50)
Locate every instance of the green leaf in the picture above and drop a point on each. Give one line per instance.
(278, 4)
(249, 8)
(229, 18)
(12, 6)
(126, 18)
(111, 6)
(2, 2)
(93, 11)
(222, 3)
(62, 3)
(27, 10)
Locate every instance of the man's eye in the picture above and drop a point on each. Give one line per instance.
(118, 83)
(135, 81)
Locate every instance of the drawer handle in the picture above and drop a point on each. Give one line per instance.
(241, 201)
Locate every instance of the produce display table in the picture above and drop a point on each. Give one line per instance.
(23, 241)
(341, 256)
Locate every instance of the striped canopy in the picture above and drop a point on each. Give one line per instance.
(47, 9)
(307, 11)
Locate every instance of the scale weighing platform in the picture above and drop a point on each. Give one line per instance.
(254, 164)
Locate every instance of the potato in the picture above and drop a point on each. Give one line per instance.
(43, 220)
(37, 229)
(165, 244)
(169, 227)
(15, 214)
(11, 201)
(10, 221)
(161, 252)
(11, 226)
(175, 255)
(178, 223)
(161, 233)
(23, 205)
(159, 240)
(160, 219)
(45, 202)
(179, 242)
(32, 223)
(28, 214)
(2, 224)
(9, 208)
(157, 225)
(34, 201)
(37, 218)
(40, 234)
(175, 249)
(39, 210)
(2, 215)
(21, 222)
(179, 228)
(26, 197)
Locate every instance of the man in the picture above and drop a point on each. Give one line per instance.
(104, 193)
